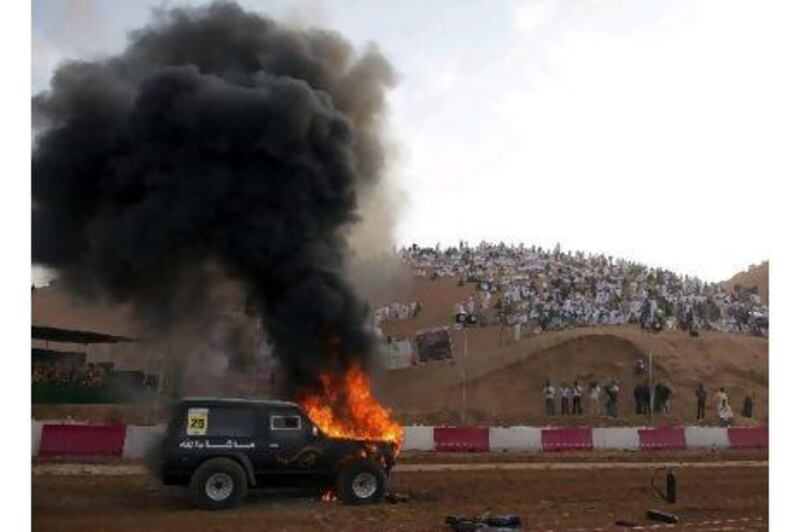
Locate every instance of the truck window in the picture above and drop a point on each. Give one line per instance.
(280, 422)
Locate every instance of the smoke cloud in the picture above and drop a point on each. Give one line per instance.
(218, 141)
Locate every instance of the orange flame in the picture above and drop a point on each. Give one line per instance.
(329, 496)
(346, 408)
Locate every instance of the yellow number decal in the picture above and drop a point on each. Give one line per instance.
(197, 422)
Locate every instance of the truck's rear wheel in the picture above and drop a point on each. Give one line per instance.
(218, 484)
(362, 482)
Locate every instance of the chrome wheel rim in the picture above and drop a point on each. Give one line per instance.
(365, 485)
(219, 486)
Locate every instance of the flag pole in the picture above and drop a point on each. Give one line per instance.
(652, 391)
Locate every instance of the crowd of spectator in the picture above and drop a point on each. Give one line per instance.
(650, 398)
(551, 289)
(397, 311)
(572, 398)
(64, 374)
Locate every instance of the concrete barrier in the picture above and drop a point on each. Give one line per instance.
(749, 437)
(567, 439)
(515, 439)
(82, 440)
(139, 439)
(36, 436)
(623, 438)
(707, 437)
(418, 438)
(662, 438)
(461, 439)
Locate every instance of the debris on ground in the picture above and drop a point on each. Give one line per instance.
(664, 517)
(627, 523)
(484, 523)
(392, 497)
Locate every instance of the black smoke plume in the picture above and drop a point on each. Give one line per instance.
(217, 137)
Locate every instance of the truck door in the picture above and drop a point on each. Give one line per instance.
(291, 448)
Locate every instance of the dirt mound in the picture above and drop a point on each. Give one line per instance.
(504, 381)
(505, 378)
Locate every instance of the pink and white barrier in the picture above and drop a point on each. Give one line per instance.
(616, 438)
(515, 439)
(418, 438)
(36, 436)
(82, 440)
(662, 438)
(567, 439)
(461, 439)
(748, 437)
(139, 439)
(706, 437)
(132, 441)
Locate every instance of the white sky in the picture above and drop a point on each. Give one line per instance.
(655, 131)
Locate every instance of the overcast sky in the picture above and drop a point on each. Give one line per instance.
(654, 131)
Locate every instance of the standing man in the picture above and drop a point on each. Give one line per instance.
(577, 392)
(612, 391)
(639, 398)
(722, 400)
(549, 398)
(725, 415)
(747, 411)
(659, 396)
(594, 397)
(668, 393)
(700, 393)
(566, 393)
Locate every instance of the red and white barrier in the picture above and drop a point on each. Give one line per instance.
(139, 439)
(706, 437)
(82, 440)
(515, 439)
(50, 438)
(36, 436)
(418, 438)
(567, 439)
(461, 439)
(662, 438)
(748, 437)
(620, 438)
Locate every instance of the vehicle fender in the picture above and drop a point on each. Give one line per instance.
(248, 467)
(243, 460)
(348, 459)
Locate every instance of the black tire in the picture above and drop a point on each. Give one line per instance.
(218, 484)
(361, 482)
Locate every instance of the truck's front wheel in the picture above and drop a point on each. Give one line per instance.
(361, 482)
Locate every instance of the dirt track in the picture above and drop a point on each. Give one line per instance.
(727, 496)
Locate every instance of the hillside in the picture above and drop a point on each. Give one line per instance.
(755, 276)
(505, 378)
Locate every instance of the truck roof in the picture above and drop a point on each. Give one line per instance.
(236, 401)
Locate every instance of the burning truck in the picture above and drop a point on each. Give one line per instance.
(220, 448)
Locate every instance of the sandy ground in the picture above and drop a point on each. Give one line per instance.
(727, 492)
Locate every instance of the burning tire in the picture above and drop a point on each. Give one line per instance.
(218, 484)
(361, 482)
